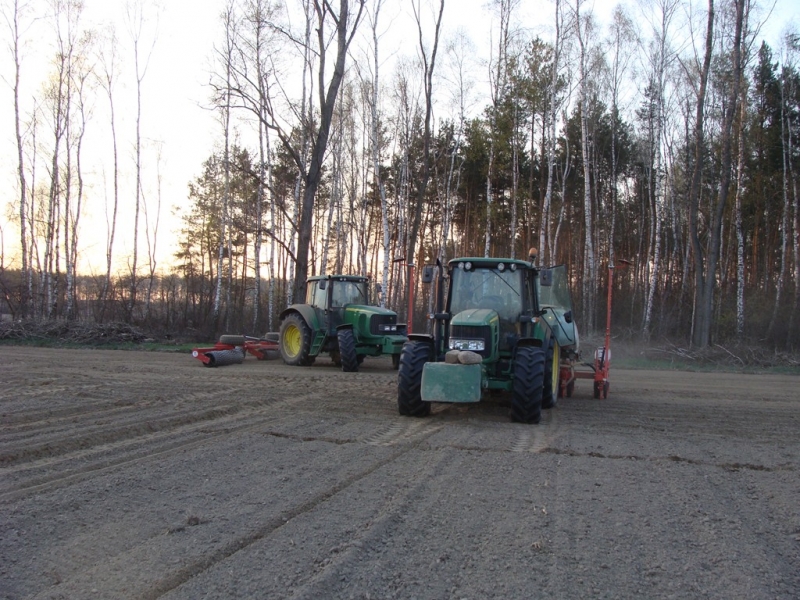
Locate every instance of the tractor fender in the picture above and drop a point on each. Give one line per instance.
(420, 337)
(304, 310)
(528, 341)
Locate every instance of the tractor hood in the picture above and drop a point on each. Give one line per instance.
(373, 320)
(476, 329)
(475, 317)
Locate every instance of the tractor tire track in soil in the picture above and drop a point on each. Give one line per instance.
(147, 475)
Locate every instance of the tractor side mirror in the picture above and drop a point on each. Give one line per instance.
(568, 316)
(427, 273)
(546, 277)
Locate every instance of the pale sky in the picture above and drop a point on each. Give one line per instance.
(175, 100)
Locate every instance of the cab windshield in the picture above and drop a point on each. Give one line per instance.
(487, 288)
(349, 292)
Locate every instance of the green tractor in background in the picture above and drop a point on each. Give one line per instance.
(338, 319)
(503, 325)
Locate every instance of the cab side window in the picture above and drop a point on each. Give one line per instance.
(319, 298)
(311, 291)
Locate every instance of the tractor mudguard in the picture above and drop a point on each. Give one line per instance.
(443, 382)
(420, 337)
(306, 311)
(565, 332)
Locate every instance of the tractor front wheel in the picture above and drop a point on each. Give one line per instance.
(295, 341)
(526, 402)
(409, 379)
(551, 375)
(347, 350)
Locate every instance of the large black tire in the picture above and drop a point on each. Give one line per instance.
(232, 340)
(409, 379)
(347, 350)
(295, 341)
(273, 336)
(526, 401)
(551, 373)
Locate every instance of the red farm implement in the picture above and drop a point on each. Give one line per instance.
(602, 355)
(231, 349)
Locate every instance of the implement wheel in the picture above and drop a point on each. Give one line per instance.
(232, 340)
(551, 373)
(295, 341)
(347, 350)
(409, 379)
(526, 401)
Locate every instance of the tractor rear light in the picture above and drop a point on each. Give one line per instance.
(461, 344)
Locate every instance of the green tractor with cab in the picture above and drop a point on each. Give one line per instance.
(337, 319)
(502, 325)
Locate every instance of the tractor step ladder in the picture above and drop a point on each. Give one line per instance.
(317, 343)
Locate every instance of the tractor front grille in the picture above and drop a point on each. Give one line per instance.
(386, 325)
(473, 332)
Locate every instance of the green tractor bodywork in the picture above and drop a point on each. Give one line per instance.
(510, 319)
(338, 319)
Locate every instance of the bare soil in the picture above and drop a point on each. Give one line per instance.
(147, 475)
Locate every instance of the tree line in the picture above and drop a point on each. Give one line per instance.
(669, 146)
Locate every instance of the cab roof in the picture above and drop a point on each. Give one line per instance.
(490, 262)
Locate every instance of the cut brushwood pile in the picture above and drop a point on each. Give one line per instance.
(72, 332)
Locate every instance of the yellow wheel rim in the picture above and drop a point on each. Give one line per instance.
(292, 340)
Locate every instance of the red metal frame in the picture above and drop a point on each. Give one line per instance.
(602, 356)
(256, 347)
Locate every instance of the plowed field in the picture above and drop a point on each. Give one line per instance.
(147, 475)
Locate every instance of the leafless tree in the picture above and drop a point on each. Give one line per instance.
(428, 58)
(16, 21)
(136, 15)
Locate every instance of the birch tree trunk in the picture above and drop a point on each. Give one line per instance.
(27, 271)
(107, 82)
(546, 244)
(136, 21)
(376, 165)
(589, 279)
(428, 64)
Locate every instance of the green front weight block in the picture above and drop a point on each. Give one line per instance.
(443, 382)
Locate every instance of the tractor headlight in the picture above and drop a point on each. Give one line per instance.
(462, 344)
(387, 328)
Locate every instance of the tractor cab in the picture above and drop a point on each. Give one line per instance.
(330, 296)
(482, 291)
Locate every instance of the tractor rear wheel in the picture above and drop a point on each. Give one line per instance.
(551, 375)
(347, 350)
(409, 379)
(295, 341)
(526, 401)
